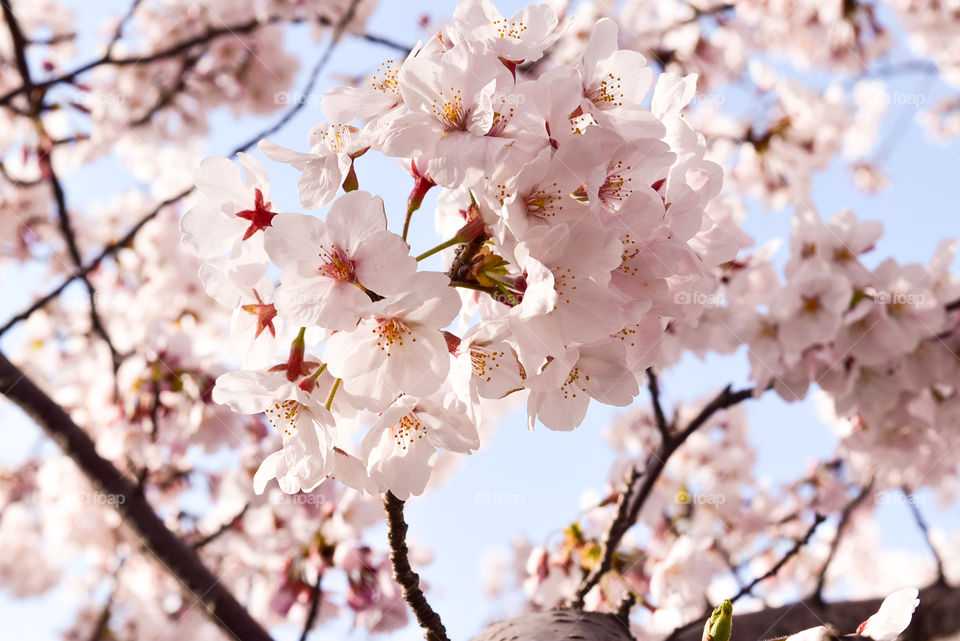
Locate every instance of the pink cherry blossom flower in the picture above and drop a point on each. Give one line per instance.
(231, 212)
(562, 391)
(328, 165)
(401, 446)
(329, 266)
(398, 346)
(523, 37)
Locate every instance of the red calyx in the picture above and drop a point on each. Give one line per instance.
(260, 216)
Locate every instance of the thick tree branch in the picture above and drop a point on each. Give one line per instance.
(177, 557)
(937, 616)
(628, 511)
(409, 580)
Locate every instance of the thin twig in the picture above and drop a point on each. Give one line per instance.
(658, 414)
(315, 595)
(404, 575)
(176, 49)
(118, 32)
(845, 516)
(925, 529)
(107, 251)
(46, 167)
(629, 511)
(792, 552)
(225, 527)
(127, 238)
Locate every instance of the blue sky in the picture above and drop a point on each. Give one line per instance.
(548, 470)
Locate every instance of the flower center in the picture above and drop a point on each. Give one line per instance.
(337, 265)
(509, 28)
(391, 333)
(546, 202)
(385, 78)
(484, 361)
(608, 93)
(283, 416)
(407, 430)
(570, 386)
(451, 111)
(616, 187)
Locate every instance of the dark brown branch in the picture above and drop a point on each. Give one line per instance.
(46, 169)
(629, 511)
(174, 50)
(315, 596)
(845, 517)
(107, 251)
(118, 32)
(792, 552)
(176, 556)
(127, 238)
(19, 42)
(404, 575)
(938, 616)
(220, 531)
(623, 609)
(169, 94)
(658, 414)
(925, 529)
(66, 230)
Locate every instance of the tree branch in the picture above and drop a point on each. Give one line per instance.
(224, 528)
(176, 556)
(792, 552)
(315, 595)
(409, 580)
(127, 238)
(841, 524)
(628, 511)
(46, 169)
(925, 529)
(938, 616)
(174, 50)
(658, 414)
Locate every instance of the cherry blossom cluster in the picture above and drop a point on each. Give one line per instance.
(880, 342)
(575, 216)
